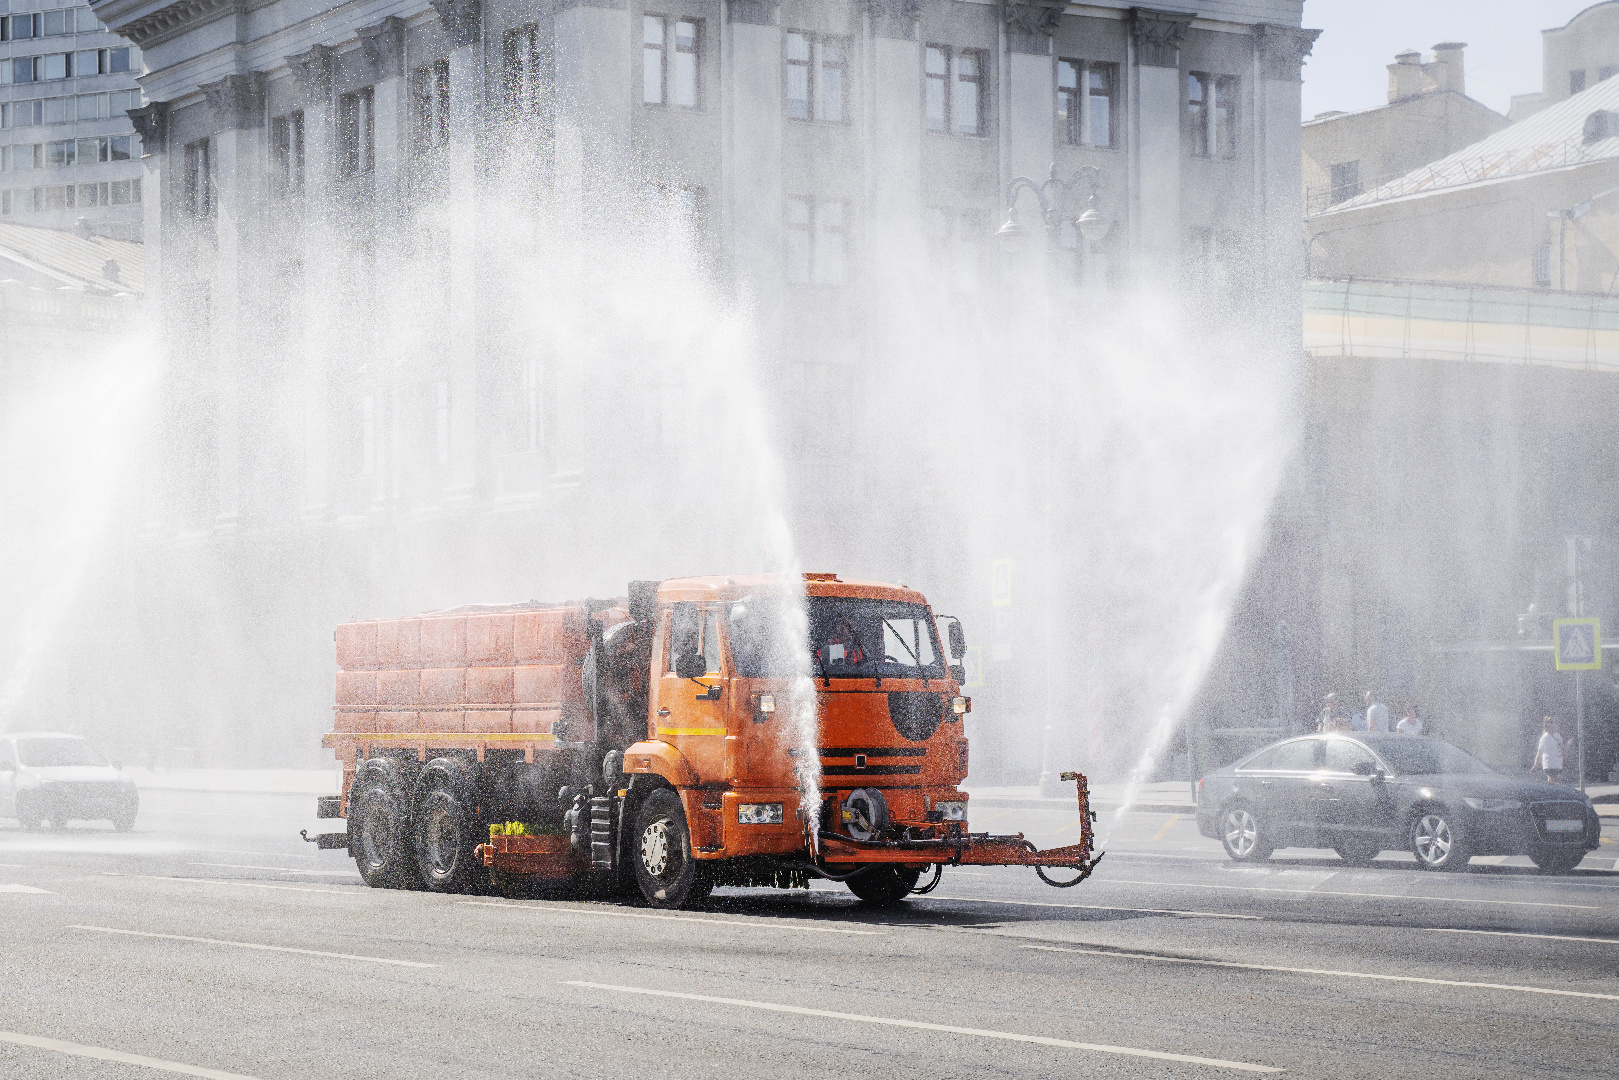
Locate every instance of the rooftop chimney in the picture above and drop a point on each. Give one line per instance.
(1405, 75)
(1447, 65)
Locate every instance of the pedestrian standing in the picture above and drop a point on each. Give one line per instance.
(1328, 719)
(1549, 751)
(1377, 714)
(1410, 725)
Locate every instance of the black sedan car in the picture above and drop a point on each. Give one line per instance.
(1362, 794)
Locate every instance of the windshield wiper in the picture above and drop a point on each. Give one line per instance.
(908, 651)
(826, 680)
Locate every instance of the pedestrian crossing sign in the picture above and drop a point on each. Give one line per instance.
(1577, 644)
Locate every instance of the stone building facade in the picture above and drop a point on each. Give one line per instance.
(347, 292)
(1575, 57)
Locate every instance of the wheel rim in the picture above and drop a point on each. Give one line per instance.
(655, 848)
(1241, 832)
(443, 836)
(374, 835)
(1433, 839)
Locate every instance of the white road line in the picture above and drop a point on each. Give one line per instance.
(1322, 971)
(279, 869)
(101, 1053)
(1093, 907)
(238, 884)
(1361, 895)
(760, 924)
(23, 889)
(887, 1021)
(1517, 933)
(253, 945)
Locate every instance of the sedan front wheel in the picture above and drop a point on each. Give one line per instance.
(1437, 841)
(1244, 837)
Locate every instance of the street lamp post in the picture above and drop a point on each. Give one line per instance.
(1055, 212)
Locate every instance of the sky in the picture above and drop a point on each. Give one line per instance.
(1349, 68)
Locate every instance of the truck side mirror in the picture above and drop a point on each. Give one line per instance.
(692, 665)
(958, 641)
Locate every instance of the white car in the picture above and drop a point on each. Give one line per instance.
(45, 776)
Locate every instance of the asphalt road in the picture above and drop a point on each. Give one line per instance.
(210, 942)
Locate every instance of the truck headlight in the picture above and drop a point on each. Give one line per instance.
(767, 703)
(951, 811)
(758, 813)
(959, 706)
(1492, 804)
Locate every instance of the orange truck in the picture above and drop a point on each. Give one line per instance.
(648, 743)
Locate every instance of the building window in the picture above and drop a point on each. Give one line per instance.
(287, 153)
(817, 75)
(430, 107)
(1543, 266)
(198, 179)
(1606, 72)
(684, 75)
(530, 70)
(1211, 115)
(800, 70)
(953, 90)
(1345, 180)
(936, 91)
(817, 241)
(1576, 82)
(652, 60)
(1086, 107)
(355, 135)
(60, 154)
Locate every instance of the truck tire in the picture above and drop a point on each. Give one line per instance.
(123, 819)
(379, 836)
(446, 830)
(883, 885)
(660, 851)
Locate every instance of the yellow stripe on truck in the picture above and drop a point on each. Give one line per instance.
(691, 731)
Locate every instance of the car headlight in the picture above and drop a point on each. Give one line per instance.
(951, 811)
(758, 813)
(1493, 804)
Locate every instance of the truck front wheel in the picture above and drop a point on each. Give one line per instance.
(661, 853)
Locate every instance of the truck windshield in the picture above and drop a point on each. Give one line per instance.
(54, 753)
(848, 639)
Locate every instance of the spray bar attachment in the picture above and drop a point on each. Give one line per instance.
(977, 849)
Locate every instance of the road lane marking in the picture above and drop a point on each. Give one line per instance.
(101, 1053)
(995, 817)
(279, 869)
(24, 889)
(1066, 827)
(1361, 895)
(1094, 907)
(1322, 971)
(761, 924)
(1159, 835)
(252, 945)
(238, 884)
(983, 1033)
(1516, 933)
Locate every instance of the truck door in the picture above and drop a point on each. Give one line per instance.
(690, 709)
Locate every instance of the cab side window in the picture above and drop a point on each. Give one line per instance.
(1342, 756)
(711, 640)
(695, 630)
(1297, 756)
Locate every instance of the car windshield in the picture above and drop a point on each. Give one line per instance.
(52, 753)
(848, 638)
(1422, 757)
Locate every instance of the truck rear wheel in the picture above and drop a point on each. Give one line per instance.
(446, 837)
(660, 851)
(884, 884)
(378, 836)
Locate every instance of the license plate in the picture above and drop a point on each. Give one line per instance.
(1565, 825)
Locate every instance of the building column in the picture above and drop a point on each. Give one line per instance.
(1031, 78)
(754, 194)
(1154, 115)
(893, 151)
(151, 125)
(1279, 53)
(312, 70)
(237, 104)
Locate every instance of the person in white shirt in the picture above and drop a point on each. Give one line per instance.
(1410, 725)
(1377, 714)
(1549, 752)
